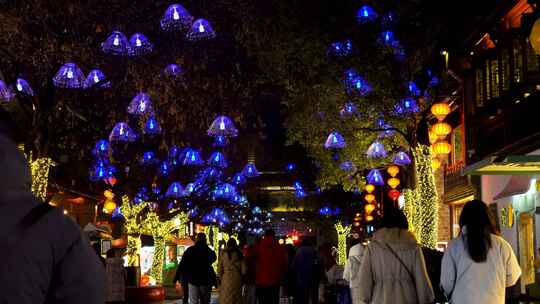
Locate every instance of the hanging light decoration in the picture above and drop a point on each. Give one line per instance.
(148, 158)
(349, 109)
(221, 141)
(369, 198)
(340, 48)
(98, 170)
(366, 14)
(347, 166)
(116, 44)
(441, 129)
(412, 88)
(358, 86)
(122, 133)
(201, 30)
(96, 77)
(227, 191)
(176, 18)
(139, 45)
(432, 136)
(239, 179)
(151, 126)
(441, 147)
(250, 170)
(69, 77)
(394, 194)
(369, 188)
(217, 159)
(440, 110)
(109, 206)
(393, 182)
(402, 159)
(6, 94)
(173, 71)
(369, 208)
(406, 106)
(192, 158)
(117, 214)
(335, 141)
(175, 191)
(164, 168)
(101, 149)
(222, 126)
(291, 167)
(376, 150)
(393, 170)
(369, 218)
(23, 87)
(140, 104)
(374, 177)
(435, 164)
(388, 39)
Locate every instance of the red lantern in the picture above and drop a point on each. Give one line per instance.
(394, 194)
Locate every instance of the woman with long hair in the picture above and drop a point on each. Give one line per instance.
(478, 265)
(232, 268)
(393, 270)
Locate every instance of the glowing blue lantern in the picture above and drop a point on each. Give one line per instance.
(401, 158)
(413, 89)
(358, 85)
(340, 49)
(325, 211)
(207, 219)
(175, 190)
(410, 106)
(366, 14)
(164, 168)
(193, 212)
(140, 104)
(117, 213)
(141, 196)
(388, 131)
(96, 78)
(349, 109)
(250, 170)
(69, 77)
(193, 158)
(176, 18)
(189, 189)
(122, 133)
(388, 39)
(201, 30)
(6, 94)
(151, 126)
(256, 210)
(380, 122)
(374, 177)
(347, 166)
(148, 158)
(116, 44)
(101, 149)
(173, 71)
(23, 87)
(99, 170)
(300, 193)
(335, 141)
(376, 150)
(227, 190)
(174, 151)
(290, 167)
(239, 179)
(221, 141)
(139, 45)
(217, 159)
(222, 126)
(171, 205)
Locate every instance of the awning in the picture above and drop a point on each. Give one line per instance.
(459, 194)
(510, 165)
(516, 185)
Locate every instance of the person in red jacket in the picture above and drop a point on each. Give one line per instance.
(271, 268)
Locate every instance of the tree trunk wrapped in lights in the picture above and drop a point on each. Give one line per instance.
(342, 234)
(214, 242)
(422, 205)
(160, 231)
(133, 226)
(40, 176)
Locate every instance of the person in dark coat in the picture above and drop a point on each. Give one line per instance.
(196, 265)
(307, 267)
(182, 278)
(433, 260)
(44, 256)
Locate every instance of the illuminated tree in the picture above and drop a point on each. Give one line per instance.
(133, 224)
(343, 232)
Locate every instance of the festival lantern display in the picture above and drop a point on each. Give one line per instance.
(116, 44)
(340, 48)
(176, 18)
(347, 166)
(250, 170)
(109, 205)
(369, 208)
(394, 194)
(374, 177)
(140, 104)
(175, 191)
(441, 129)
(201, 30)
(173, 71)
(69, 76)
(369, 188)
(369, 198)
(6, 94)
(192, 158)
(413, 89)
(222, 126)
(217, 159)
(393, 182)
(441, 147)
(366, 14)
(376, 150)
(96, 78)
(335, 141)
(221, 141)
(349, 110)
(139, 45)
(22, 87)
(393, 170)
(435, 164)
(151, 126)
(440, 110)
(122, 133)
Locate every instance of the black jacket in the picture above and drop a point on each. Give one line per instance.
(52, 262)
(196, 265)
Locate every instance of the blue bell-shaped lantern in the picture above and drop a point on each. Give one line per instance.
(366, 14)
(6, 94)
(228, 191)
(122, 133)
(190, 188)
(99, 170)
(388, 131)
(151, 126)
(290, 167)
(148, 158)
(239, 179)
(139, 45)
(23, 87)
(69, 77)
(221, 141)
(175, 191)
(335, 141)
(388, 39)
(116, 44)
(141, 196)
(325, 211)
(347, 166)
(412, 88)
(250, 170)
(192, 158)
(173, 71)
(200, 30)
(222, 126)
(117, 213)
(140, 104)
(357, 85)
(340, 48)
(176, 18)
(101, 149)
(376, 150)
(96, 78)
(217, 159)
(164, 168)
(401, 158)
(374, 177)
(349, 109)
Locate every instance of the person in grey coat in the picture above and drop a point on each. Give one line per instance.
(44, 256)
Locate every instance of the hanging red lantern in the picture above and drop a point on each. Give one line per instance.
(394, 194)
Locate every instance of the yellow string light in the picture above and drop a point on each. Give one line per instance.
(342, 233)
(131, 213)
(39, 169)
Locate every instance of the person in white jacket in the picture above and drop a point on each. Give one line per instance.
(352, 268)
(478, 265)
